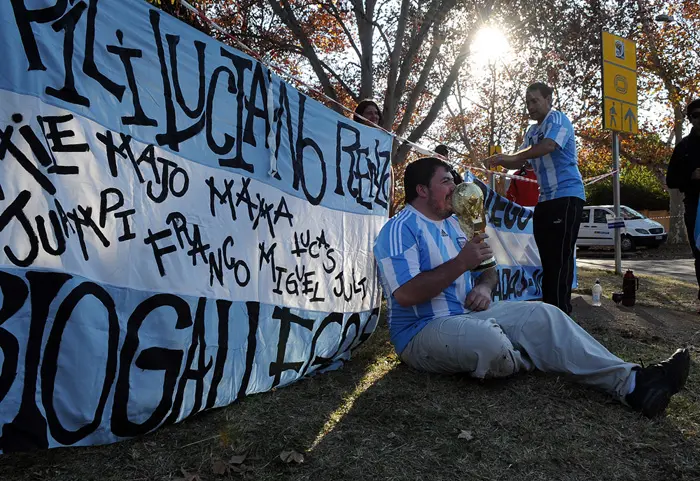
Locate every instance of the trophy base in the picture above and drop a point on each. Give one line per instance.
(487, 264)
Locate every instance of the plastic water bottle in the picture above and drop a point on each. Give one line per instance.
(597, 291)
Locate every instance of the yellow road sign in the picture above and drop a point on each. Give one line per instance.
(619, 116)
(619, 84)
(620, 51)
(493, 150)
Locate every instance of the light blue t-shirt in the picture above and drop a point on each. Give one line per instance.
(557, 173)
(408, 244)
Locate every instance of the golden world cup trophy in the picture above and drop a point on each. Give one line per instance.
(468, 206)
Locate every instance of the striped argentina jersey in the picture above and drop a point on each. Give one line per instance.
(408, 244)
(557, 173)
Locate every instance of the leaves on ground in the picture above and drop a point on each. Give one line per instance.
(292, 457)
(466, 435)
(238, 459)
(233, 465)
(188, 477)
(220, 467)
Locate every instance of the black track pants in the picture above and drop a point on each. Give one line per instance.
(555, 225)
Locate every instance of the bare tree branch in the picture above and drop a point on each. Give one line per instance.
(333, 11)
(285, 13)
(432, 114)
(365, 30)
(435, 14)
(438, 40)
(340, 80)
(394, 56)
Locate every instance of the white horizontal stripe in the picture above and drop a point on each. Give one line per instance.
(132, 263)
(511, 248)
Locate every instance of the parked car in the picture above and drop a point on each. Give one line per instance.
(638, 231)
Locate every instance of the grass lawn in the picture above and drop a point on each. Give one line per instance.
(655, 291)
(376, 419)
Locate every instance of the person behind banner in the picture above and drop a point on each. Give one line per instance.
(522, 192)
(441, 318)
(368, 109)
(684, 174)
(442, 149)
(550, 147)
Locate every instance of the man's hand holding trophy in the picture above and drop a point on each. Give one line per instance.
(468, 206)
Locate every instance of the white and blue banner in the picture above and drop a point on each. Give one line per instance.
(509, 227)
(178, 227)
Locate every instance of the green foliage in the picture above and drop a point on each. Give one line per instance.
(639, 189)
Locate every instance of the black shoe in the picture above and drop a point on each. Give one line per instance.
(655, 384)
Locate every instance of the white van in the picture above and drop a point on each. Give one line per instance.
(638, 230)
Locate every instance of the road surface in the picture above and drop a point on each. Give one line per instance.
(681, 269)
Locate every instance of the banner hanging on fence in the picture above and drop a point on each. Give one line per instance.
(178, 227)
(509, 227)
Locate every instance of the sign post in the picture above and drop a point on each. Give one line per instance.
(493, 150)
(619, 108)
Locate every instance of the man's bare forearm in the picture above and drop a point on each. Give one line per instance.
(547, 146)
(514, 162)
(518, 159)
(488, 278)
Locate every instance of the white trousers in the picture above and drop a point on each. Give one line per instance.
(517, 336)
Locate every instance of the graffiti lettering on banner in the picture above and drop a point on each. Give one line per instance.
(178, 226)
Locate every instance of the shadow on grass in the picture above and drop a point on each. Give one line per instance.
(538, 426)
(261, 425)
(378, 419)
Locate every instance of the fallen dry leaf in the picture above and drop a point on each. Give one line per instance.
(238, 459)
(292, 457)
(187, 476)
(465, 435)
(220, 467)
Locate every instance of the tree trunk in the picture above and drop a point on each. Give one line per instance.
(365, 30)
(676, 229)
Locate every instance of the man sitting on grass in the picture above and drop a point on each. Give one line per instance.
(442, 320)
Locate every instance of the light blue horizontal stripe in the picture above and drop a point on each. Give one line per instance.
(150, 338)
(130, 19)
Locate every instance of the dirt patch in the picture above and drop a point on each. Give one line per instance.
(665, 251)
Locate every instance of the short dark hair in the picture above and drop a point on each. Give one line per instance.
(694, 105)
(442, 150)
(420, 172)
(544, 89)
(360, 109)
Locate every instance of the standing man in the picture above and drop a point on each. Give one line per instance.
(684, 174)
(550, 147)
(442, 320)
